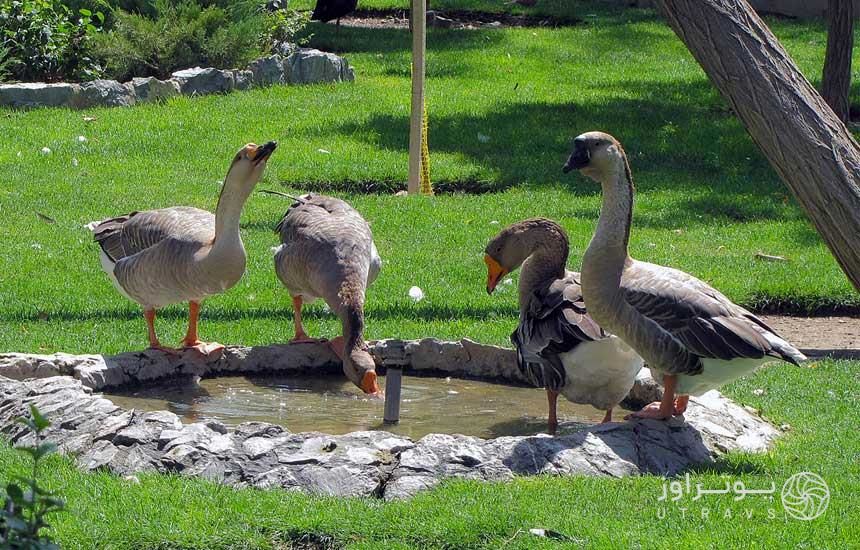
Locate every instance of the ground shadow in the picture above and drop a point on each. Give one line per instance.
(424, 312)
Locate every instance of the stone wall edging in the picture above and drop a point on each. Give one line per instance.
(302, 66)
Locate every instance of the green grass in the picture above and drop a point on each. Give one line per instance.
(820, 405)
(707, 202)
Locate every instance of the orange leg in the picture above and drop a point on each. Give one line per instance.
(337, 346)
(681, 404)
(663, 409)
(552, 422)
(607, 417)
(300, 334)
(191, 340)
(149, 315)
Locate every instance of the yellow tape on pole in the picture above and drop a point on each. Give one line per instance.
(426, 186)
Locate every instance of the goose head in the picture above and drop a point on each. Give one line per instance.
(596, 155)
(359, 367)
(510, 248)
(248, 166)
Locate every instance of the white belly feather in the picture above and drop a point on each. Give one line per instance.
(108, 266)
(718, 372)
(600, 373)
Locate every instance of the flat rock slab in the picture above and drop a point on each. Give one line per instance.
(370, 463)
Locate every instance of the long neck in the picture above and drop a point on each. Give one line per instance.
(234, 194)
(546, 262)
(606, 256)
(613, 227)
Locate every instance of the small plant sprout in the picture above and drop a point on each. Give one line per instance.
(27, 504)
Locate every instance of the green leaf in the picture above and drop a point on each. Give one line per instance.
(27, 422)
(16, 524)
(14, 492)
(85, 12)
(40, 451)
(39, 420)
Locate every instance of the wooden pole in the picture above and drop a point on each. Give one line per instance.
(419, 46)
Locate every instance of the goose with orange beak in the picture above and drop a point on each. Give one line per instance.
(181, 253)
(559, 346)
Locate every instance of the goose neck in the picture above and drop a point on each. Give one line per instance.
(229, 211)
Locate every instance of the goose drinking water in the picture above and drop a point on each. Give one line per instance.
(327, 252)
(683, 328)
(180, 253)
(559, 346)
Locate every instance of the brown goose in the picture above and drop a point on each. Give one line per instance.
(681, 326)
(559, 347)
(179, 254)
(327, 252)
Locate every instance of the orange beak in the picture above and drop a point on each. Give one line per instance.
(495, 272)
(369, 383)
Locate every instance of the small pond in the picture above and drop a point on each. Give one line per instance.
(331, 404)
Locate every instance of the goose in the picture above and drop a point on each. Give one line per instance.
(327, 251)
(683, 328)
(326, 10)
(559, 346)
(180, 253)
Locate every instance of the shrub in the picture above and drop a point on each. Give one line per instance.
(180, 36)
(43, 40)
(26, 506)
(183, 34)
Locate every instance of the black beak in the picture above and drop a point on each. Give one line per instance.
(578, 159)
(264, 151)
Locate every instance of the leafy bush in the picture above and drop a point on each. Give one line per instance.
(44, 40)
(169, 36)
(26, 506)
(180, 36)
(285, 27)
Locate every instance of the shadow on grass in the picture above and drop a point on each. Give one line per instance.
(398, 310)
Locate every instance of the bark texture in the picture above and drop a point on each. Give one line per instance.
(836, 80)
(806, 143)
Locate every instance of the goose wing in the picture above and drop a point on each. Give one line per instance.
(127, 235)
(326, 246)
(706, 322)
(555, 321)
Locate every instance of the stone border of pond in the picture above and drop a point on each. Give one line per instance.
(101, 435)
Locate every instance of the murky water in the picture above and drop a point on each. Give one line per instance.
(332, 405)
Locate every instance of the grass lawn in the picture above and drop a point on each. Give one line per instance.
(707, 202)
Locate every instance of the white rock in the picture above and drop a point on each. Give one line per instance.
(82, 139)
(46, 151)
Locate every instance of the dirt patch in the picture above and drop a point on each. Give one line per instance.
(837, 336)
(453, 19)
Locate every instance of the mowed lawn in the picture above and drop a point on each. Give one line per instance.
(503, 107)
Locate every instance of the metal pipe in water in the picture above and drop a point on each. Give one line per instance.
(393, 380)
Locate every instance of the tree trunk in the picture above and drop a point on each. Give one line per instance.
(836, 80)
(806, 143)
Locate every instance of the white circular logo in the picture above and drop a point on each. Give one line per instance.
(805, 496)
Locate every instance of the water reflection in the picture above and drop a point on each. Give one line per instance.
(332, 405)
